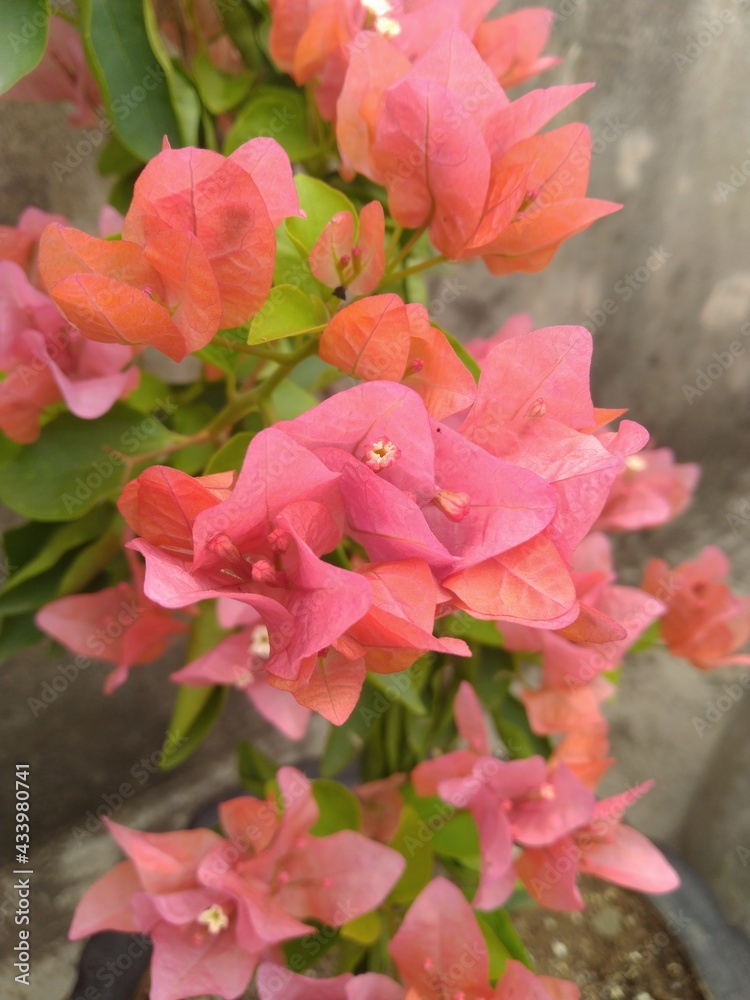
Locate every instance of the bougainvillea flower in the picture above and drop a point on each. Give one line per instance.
(512, 45)
(651, 490)
(514, 326)
(116, 292)
(705, 622)
(118, 624)
(62, 75)
(550, 173)
(19, 243)
(521, 801)
(381, 337)
(382, 805)
(567, 709)
(197, 253)
(260, 546)
(198, 947)
(395, 631)
(585, 752)
(566, 663)
(46, 360)
(273, 979)
(428, 493)
(239, 661)
(279, 874)
(350, 254)
(440, 951)
(534, 408)
(453, 151)
(221, 201)
(604, 847)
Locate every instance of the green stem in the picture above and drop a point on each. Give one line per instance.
(407, 248)
(247, 401)
(398, 232)
(415, 269)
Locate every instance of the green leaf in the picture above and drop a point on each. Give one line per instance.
(230, 456)
(39, 590)
(255, 769)
(279, 113)
(115, 159)
(290, 400)
(149, 394)
(463, 626)
(491, 671)
(219, 91)
(398, 688)
(365, 929)
(463, 354)
(77, 463)
(23, 39)
(411, 842)
(195, 712)
(288, 312)
(133, 83)
(71, 535)
(91, 559)
(339, 808)
(291, 269)
(17, 632)
(499, 922)
(189, 420)
(452, 833)
(302, 952)
(342, 746)
(650, 637)
(513, 726)
(185, 101)
(496, 952)
(321, 202)
(22, 544)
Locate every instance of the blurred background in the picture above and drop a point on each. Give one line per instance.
(664, 285)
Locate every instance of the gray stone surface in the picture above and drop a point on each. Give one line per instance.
(679, 107)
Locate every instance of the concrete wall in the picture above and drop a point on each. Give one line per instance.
(669, 118)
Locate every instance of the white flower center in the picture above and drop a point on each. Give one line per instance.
(260, 644)
(383, 24)
(381, 454)
(636, 463)
(214, 918)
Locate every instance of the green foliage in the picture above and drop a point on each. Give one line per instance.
(219, 91)
(23, 39)
(339, 808)
(231, 455)
(133, 83)
(288, 312)
(417, 849)
(320, 202)
(195, 712)
(77, 463)
(255, 769)
(279, 113)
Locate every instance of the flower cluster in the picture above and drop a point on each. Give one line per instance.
(344, 510)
